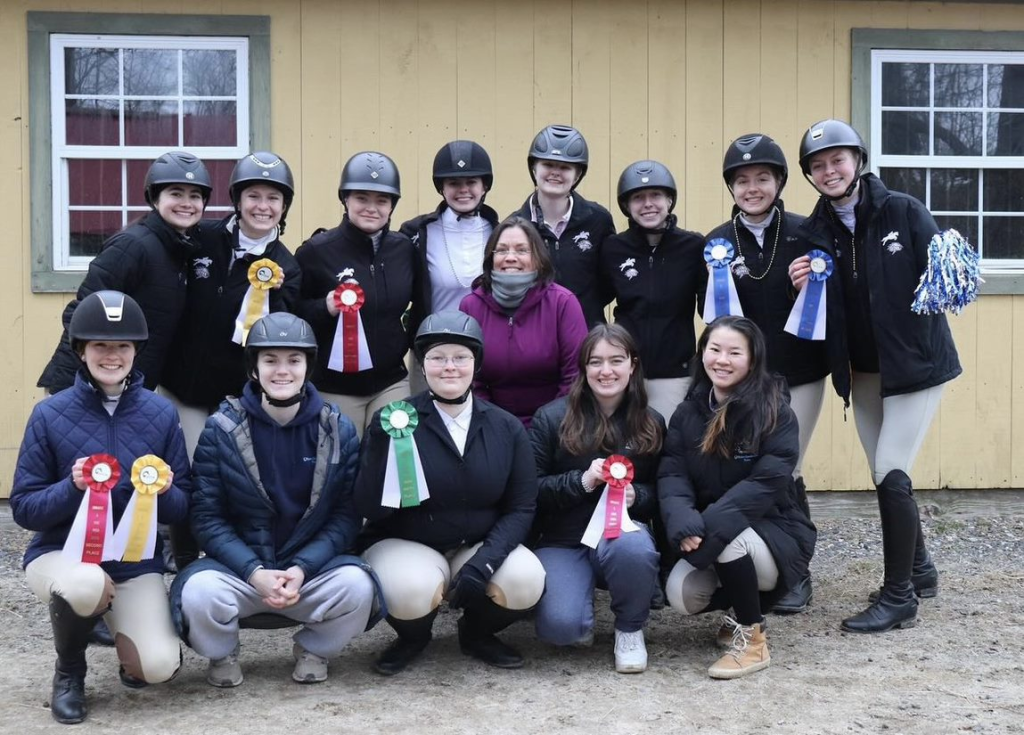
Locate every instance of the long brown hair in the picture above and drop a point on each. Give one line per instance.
(538, 250)
(585, 428)
(752, 409)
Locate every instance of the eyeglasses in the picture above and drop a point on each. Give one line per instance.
(439, 361)
(518, 252)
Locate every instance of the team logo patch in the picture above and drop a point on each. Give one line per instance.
(347, 273)
(627, 269)
(891, 242)
(201, 267)
(582, 241)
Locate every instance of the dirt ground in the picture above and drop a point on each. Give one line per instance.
(959, 670)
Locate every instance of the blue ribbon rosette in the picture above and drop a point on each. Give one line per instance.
(807, 319)
(721, 299)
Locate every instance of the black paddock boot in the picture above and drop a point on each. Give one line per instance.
(800, 595)
(477, 627)
(896, 606)
(413, 637)
(70, 639)
(924, 577)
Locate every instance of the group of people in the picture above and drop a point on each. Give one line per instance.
(531, 454)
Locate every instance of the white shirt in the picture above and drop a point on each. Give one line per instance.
(248, 246)
(455, 257)
(458, 426)
(757, 229)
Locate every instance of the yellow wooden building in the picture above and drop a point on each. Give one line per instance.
(935, 88)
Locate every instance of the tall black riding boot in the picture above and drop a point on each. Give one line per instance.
(924, 577)
(896, 606)
(800, 594)
(413, 637)
(70, 639)
(477, 626)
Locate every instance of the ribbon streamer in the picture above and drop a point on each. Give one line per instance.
(807, 319)
(135, 537)
(89, 539)
(264, 274)
(349, 352)
(952, 277)
(611, 505)
(721, 299)
(405, 486)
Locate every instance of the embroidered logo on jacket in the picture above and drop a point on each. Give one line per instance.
(347, 273)
(891, 242)
(627, 269)
(582, 241)
(201, 267)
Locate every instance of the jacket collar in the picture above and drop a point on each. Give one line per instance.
(433, 422)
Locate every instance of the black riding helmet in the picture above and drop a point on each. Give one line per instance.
(177, 167)
(645, 175)
(754, 149)
(262, 167)
(462, 159)
(370, 171)
(280, 330)
(445, 328)
(562, 143)
(107, 316)
(827, 134)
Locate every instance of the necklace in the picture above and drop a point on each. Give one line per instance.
(853, 241)
(451, 263)
(775, 245)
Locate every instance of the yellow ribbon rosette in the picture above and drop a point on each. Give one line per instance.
(264, 274)
(150, 475)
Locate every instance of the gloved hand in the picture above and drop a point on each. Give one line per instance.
(467, 586)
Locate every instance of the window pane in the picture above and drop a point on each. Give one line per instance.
(966, 226)
(137, 183)
(151, 122)
(92, 122)
(905, 85)
(1006, 85)
(958, 133)
(220, 173)
(905, 133)
(210, 123)
(209, 73)
(958, 85)
(1005, 134)
(149, 72)
(954, 189)
(94, 183)
(1004, 190)
(908, 180)
(90, 71)
(1004, 237)
(90, 229)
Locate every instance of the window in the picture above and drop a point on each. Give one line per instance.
(118, 100)
(946, 125)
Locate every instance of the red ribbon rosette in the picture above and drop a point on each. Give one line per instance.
(101, 473)
(617, 472)
(349, 298)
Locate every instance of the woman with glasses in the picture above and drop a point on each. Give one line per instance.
(533, 327)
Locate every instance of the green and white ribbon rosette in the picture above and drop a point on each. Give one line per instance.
(404, 483)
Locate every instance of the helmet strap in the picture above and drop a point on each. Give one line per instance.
(450, 401)
(282, 403)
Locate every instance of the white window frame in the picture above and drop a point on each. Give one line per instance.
(982, 163)
(62, 152)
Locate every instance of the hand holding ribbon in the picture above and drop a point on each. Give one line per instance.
(91, 532)
(721, 298)
(807, 319)
(349, 351)
(264, 274)
(617, 473)
(404, 483)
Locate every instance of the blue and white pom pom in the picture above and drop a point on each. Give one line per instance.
(950, 282)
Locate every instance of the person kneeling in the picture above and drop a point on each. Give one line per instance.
(273, 511)
(725, 485)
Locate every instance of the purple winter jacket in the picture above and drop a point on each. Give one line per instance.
(529, 356)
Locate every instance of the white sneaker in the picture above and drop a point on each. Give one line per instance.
(630, 652)
(224, 672)
(309, 668)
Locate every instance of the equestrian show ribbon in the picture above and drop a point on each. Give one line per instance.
(404, 483)
(135, 537)
(807, 319)
(349, 352)
(611, 517)
(89, 540)
(952, 277)
(721, 298)
(264, 274)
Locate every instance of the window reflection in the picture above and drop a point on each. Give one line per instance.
(1006, 134)
(91, 71)
(151, 122)
(908, 180)
(905, 133)
(954, 189)
(92, 122)
(1004, 190)
(1004, 237)
(1006, 85)
(959, 85)
(958, 133)
(208, 73)
(150, 72)
(905, 85)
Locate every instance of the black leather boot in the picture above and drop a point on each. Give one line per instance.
(100, 634)
(896, 606)
(477, 627)
(70, 639)
(413, 637)
(924, 577)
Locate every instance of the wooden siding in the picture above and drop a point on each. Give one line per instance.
(674, 80)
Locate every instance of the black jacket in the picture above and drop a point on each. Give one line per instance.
(655, 291)
(391, 278)
(204, 366)
(576, 254)
(147, 260)
(564, 508)
(488, 494)
(768, 300)
(416, 230)
(718, 498)
(915, 352)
